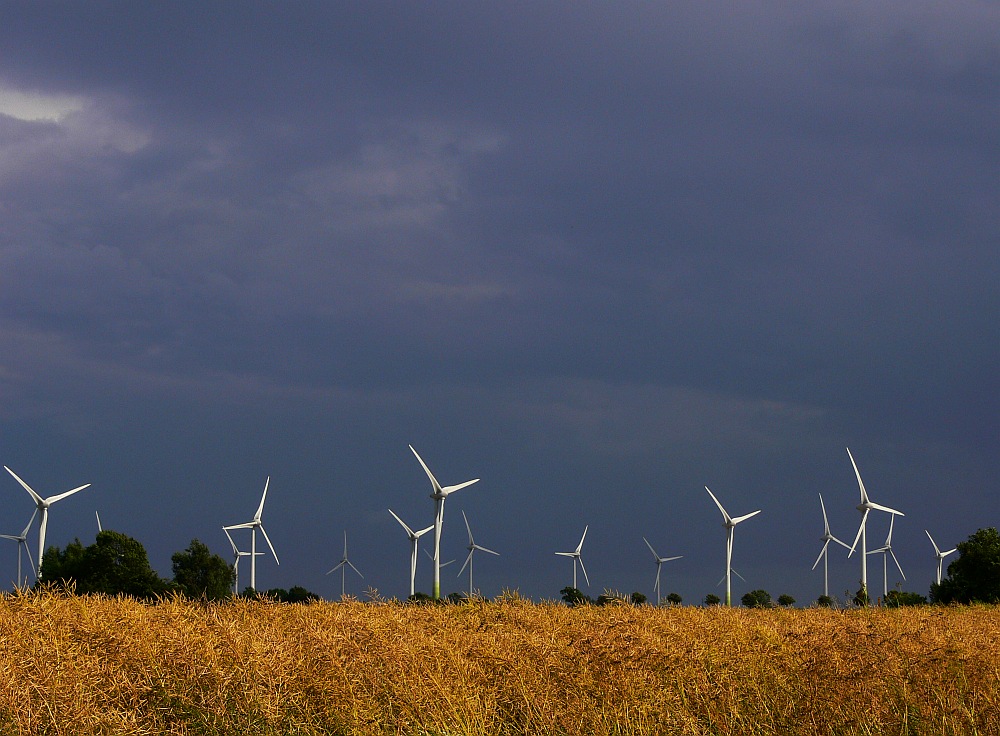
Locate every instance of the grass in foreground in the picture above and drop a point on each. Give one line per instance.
(79, 666)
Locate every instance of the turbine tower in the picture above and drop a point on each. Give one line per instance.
(659, 563)
(472, 548)
(864, 507)
(439, 494)
(885, 550)
(253, 525)
(823, 553)
(576, 555)
(939, 555)
(342, 566)
(22, 543)
(414, 536)
(730, 523)
(42, 505)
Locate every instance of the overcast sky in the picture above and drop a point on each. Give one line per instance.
(599, 255)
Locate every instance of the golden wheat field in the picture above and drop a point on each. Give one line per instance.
(82, 665)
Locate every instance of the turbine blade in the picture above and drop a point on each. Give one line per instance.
(584, 570)
(826, 524)
(248, 525)
(725, 515)
(403, 524)
(466, 520)
(861, 485)
(231, 542)
(466, 563)
(580, 545)
(936, 550)
(268, 540)
(38, 499)
(487, 550)
(739, 519)
(30, 522)
(260, 509)
(566, 554)
(448, 490)
(898, 566)
(821, 553)
(651, 548)
(434, 482)
(336, 567)
(422, 532)
(739, 576)
(842, 544)
(886, 509)
(351, 564)
(61, 496)
(864, 518)
(669, 559)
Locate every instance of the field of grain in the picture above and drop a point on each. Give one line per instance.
(72, 665)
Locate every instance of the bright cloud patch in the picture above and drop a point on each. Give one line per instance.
(32, 106)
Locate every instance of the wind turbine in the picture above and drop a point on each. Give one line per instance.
(659, 563)
(253, 526)
(884, 550)
(730, 523)
(22, 542)
(43, 506)
(575, 554)
(99, 527)
(823, 554)
(440, 494)
(237, 554)
(939, 555)
(864, 507)
(414, 536)
(472, 548)
(343, 565)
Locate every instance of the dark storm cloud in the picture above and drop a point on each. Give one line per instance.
(577, 249)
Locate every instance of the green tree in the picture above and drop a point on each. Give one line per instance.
(861, 598)
(574, 596)
(115, 564)
(757, 599)
(712, 600)
(974, 577)
(200, 574)
(824, 601)
(785, 600)
(674, 599)
(638, 598)
(899, 598)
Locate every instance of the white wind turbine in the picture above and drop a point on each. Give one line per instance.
(472, 548)
(659, 563)
(253, 525)
(414, 537)
(576, 555)
(864, 507)
(43, 506)
(237, 554)
(730, 523)
(440, 494)
(885, 550)
(22, 543)
(823, 553)
(342, 566)
(939, 555)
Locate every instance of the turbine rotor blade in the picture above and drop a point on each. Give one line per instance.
(268, 540)
(448, 490)
(936, 550)
(38, 499)
(739, 519)
(898, 566)
(486, 550)
(260, 509)
(434, 482)
(886, 509)
(403, 524)
(651, 548)
(580, 545)
(821, 553)
(864, 519)
(861, 485)
(584, 569)
(465, 564)
(61, 496)
(725, 514)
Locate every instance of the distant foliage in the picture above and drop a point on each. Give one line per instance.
(574, 596)
(115, 564)
(861, 598)
(974, 577)
(674, 599)
(712, 600)
(785, 600)
(899, 598)
(757, 599)
(638, 599)
(200, 574)
(825, 601)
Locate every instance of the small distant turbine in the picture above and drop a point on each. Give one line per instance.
(939, 555)
(99, 527)
(253, 525)
(43, 506)
(22, 543)
(342, 566)
(886, 550)
(237, 554)
(440, 494)
(659, 563)
(576, 555)
(414, 537)
(730, 523)
(823, 553)
(472, 548)
(864, 507)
